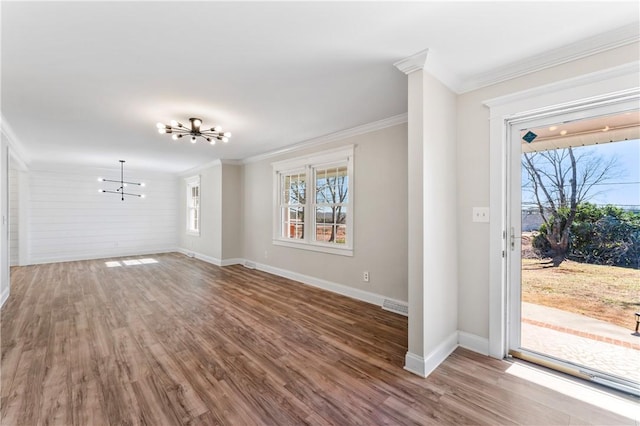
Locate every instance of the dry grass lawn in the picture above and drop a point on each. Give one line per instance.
(607, 293)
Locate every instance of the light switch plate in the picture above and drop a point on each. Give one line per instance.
(480, 214)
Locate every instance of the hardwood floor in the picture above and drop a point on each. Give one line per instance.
(185, 342)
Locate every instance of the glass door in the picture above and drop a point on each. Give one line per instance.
(574, 242)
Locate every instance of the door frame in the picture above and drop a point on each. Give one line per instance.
(619, 84)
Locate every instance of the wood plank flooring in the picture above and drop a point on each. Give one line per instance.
(185, 342)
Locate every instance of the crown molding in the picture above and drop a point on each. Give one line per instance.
(629, 69)
(427, 60)
(343, 134)
(214, 163)
(590, 46)
(412, 63)
(16, 146)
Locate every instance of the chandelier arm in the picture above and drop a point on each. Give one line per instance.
(133, 195)
(213, 134)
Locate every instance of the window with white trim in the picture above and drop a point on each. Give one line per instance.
(313, 199)
(193, 205)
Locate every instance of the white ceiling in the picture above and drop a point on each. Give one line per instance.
(85, 82)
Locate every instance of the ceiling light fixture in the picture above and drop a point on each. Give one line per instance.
(178, 130)
(122, 184)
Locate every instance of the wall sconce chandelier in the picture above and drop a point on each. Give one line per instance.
(122, 183)
(178, 130)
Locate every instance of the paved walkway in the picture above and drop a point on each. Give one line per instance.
(581, 340)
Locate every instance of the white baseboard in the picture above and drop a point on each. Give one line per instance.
(425, 366)
(200, 256)
(5, 295)
(473, 342)
(415, 364)
(232, 261)
(210, 259)
(441, 352)
(344, 290)
(99, 255)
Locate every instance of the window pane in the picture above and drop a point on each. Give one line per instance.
(324, 215)
(293, 222)
(294, 187)
(324, 232)
(341, 234)
(332, 185)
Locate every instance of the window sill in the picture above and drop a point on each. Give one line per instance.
(346, 251)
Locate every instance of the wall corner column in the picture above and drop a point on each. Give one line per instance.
(432, 226)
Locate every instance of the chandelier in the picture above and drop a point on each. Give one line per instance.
(179, 130)
(122, 183)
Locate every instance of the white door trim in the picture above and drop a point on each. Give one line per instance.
(605, 86)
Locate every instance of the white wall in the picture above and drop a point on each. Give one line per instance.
(439, 215)
(69, 218)
(220, 236)
(473, 187)
(209, 242)
(380, 218)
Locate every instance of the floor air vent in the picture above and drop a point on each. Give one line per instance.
(395, 306)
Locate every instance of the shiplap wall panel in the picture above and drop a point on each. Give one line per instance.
(70, 220)
(13, 216)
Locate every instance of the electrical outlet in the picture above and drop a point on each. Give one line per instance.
(365, 276)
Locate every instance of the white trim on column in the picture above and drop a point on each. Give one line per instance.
(425, 366)
(427, 60)
(412, 63)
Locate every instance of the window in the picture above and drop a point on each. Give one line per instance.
(314, 202)
(193, 205)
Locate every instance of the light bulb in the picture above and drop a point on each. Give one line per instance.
(125, 184)
(193, 139)
(100, 190)
(197, 122)
(212, 142)
(142, 196)
(100, 179)
(225, 140)
(174, 137)
(217, 129)
(227, 134)
(160, 125)
(143, 184)
(163, 130)
(174, 123)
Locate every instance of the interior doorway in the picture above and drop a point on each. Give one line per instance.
(574, 242)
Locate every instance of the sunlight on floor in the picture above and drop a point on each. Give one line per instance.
(582, 391)
(130, 262)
